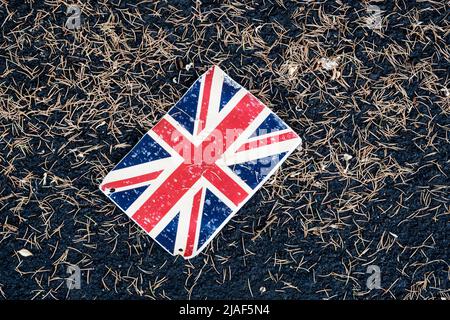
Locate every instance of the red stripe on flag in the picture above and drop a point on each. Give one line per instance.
(268, 140)
(205, 100)
(193, 223)
(239, 118)
(226, 185)
(167, 195)
(130, 181)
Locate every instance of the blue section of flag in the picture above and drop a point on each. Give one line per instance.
(253, 172)
(167, 237)
(185, 110)
(271, 124)
(229, 89)
(214, 213)
(145, 151)
(124, 199)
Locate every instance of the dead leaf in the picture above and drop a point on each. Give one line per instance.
(25, 252)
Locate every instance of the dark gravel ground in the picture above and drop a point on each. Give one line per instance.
(370, 186)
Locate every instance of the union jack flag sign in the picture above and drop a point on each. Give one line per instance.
(199, 164)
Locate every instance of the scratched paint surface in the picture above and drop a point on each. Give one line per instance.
(200, 164)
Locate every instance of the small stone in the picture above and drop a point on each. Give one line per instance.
(328, 64)
(347, 157)
(189, 66)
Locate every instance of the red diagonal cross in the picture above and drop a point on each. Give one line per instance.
(192, 169)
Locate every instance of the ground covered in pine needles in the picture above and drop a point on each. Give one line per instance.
(369, 188)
